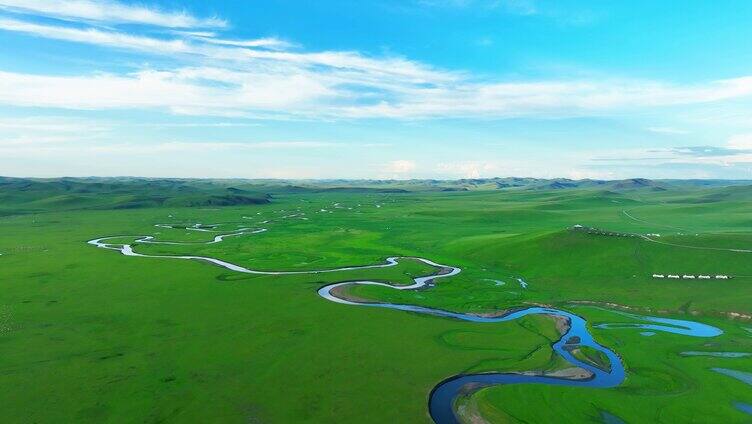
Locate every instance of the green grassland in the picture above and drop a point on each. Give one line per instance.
(89, 335)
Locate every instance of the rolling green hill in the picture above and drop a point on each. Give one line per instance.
(32, 195)
(90, 335)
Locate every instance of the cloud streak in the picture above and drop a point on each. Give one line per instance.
(737, 152)
(109, 12)
(289, 90)
(209, 75)
(667, 130)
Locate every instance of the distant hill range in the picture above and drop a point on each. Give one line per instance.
(507, 183)
(29, 195)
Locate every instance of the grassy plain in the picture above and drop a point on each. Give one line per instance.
(91, 335)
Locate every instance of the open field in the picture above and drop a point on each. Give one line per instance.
(91, 335)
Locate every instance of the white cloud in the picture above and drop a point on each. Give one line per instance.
(737, 151)
(33, 142)
(276, 88)
(107, 11)
(29, 125)
(289, 145)
(468, 169)
(400, 166)
(350, 67)
(549, 98)
(581, 174)
(31, 146)
(184, 91)
(96, 36)
(198, 124)
(667, 130)
(213, 76)
(740, 141)
(206, 146)
(267, 43)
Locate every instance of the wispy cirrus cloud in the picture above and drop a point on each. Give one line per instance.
(211, 49)
(187, 91)
(207, 146)
(97, 36)
(67, 144)
(667, 130)
(736, 152)
(109, 12)
(208, 74)
(709, 151)
(271, 43)
(50, 124)
(285, 89)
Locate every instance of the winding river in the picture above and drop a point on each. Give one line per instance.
(443, 396)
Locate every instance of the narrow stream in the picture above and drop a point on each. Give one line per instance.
(443, 396)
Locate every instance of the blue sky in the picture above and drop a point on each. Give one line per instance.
(376, 89)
